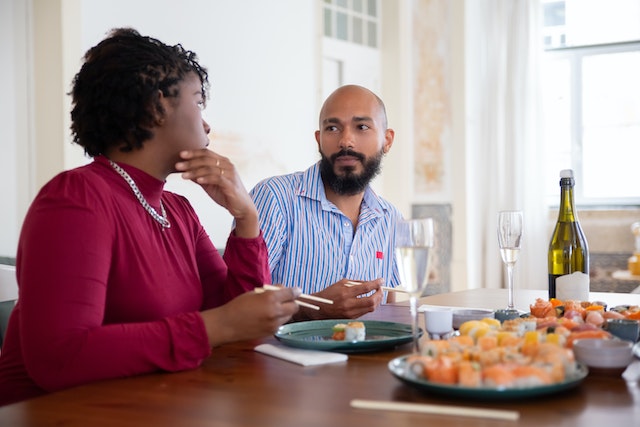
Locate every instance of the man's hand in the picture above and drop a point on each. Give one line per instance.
(349, 300)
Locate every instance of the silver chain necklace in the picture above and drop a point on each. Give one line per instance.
(162, 220)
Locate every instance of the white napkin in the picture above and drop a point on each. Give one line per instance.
(301, 356)
(632, 373)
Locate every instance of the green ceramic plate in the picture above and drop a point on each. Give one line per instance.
(399, 369)
(316, 335)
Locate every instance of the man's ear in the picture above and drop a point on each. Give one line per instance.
(389, 135)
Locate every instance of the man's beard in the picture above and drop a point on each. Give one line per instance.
(350, 183)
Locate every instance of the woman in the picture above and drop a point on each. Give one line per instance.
(117, 277)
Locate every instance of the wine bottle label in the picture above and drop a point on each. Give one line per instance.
(574, 286)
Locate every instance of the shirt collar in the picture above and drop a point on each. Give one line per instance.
(312, 187)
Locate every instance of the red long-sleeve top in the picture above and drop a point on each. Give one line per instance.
(105, 292)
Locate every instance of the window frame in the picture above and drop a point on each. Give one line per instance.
(347, 9)
(575, 55)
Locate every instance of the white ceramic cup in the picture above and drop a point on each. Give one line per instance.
(438, 321)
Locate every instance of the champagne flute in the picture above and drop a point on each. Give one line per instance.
(414, 239)
(509, 236)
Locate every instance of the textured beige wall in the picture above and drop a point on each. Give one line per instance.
(49, 95)
(432, 97)
(606, 230)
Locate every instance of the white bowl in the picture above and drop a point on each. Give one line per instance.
(603, 353)
(462, 315)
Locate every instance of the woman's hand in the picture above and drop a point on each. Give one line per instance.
(250, 315)
(219, 178)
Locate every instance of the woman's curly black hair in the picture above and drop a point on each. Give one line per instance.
(115, 93)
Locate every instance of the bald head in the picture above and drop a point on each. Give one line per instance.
(357, 99)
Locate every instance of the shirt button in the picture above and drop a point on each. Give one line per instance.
(346, 224)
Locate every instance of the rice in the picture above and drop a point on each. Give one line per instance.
(355, 331)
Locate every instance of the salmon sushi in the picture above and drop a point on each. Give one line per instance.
(338, 332)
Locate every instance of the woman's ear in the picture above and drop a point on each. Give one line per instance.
(160, 109)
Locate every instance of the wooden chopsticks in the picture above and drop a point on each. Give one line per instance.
(461, 411)
(390, 289)
(350, 284)
(300, 303)
(307, 296)
(384, 288)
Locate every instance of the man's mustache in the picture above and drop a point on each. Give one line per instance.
(350, 153)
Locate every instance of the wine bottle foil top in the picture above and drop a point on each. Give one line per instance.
(566, 173)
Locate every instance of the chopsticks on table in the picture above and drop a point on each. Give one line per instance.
(384, 288)
(300, 303)
(461, 411)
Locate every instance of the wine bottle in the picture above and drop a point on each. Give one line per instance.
(568, 249)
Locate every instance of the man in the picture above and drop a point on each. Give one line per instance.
(327, 232)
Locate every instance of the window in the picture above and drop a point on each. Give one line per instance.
(354, 21)
(591, 99)
(351, 44)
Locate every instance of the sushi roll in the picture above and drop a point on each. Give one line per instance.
(354, 331)
(338, 331)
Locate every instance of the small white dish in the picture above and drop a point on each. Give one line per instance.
(603, 353)
(438, 321)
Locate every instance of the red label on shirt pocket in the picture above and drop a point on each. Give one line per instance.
(379, 255)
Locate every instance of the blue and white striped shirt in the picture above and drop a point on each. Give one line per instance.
(311, 242)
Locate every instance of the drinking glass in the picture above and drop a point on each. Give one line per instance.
(414, 240)
(509, 236)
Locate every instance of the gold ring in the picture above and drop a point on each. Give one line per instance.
(217, 163)
(221, 171)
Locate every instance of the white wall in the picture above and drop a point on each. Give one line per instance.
(263, 70)
(14, 135)
(263, 63)
(264, 60)
(8, 134)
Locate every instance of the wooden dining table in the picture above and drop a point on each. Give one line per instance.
(238, 386)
